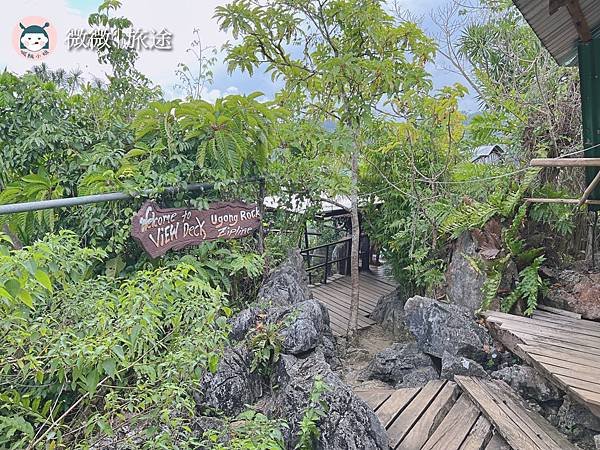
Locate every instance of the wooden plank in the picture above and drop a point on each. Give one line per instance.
(582, 325)
(584, 359)
(405, 421)
(579, 20)
(497, 443)
(377, 285)
(536, 330)
(545, 322)
(389, 280)
(336, 316)
(343, 294)
(455, 426)
(591, 398)
(567, 321)
(587, 398)
(479, 436)
(588, 392)
(558, 311)
(366, 297)
(549, 343)
(501, 418)
(343, 302)
(565, 162)
(504, 390)
(345, 312)
(395, 404)
(513, 419)
(431, 419)
(572, 370)
(381, 284)
(375, 398)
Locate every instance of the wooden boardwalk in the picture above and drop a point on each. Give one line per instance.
(336, 296)
(563, 347)
(467, 415)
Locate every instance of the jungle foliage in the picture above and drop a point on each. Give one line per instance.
(97, 338)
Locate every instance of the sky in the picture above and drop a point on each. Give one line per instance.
(180, 18)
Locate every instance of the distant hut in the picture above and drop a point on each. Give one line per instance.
(488, 154)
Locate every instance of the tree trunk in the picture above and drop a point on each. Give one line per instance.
(354, 252)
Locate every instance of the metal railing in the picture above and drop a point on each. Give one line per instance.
(309, 254)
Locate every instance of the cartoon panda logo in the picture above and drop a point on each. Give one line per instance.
(34, 38)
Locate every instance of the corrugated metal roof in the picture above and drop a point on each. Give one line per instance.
(557, 31)
(486, 150)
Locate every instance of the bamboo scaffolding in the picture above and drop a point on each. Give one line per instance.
(565, 162)
(589, 189)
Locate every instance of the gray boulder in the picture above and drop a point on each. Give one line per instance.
(287, 284)
(418, 377)
(243, 322)
(459, 365)
(578, 423)
(310, 322)
(464, 282)
(349, 423)
(575, 291)
(232, 386)
(401, 365)
(389, 312)
(441, 327)
(529, 383)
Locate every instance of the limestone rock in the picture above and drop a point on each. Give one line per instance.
(310, 322)
(441, 327)
(577, 292)
(389, 312)
(529, 383)
(242, 322)
(395, 364)
(577, 423)
(418, 377)
(349, 422)
(287, 284)
(232, 386)
(459, 365)
(464, 282)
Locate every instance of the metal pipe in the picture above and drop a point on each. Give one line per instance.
(97, 198)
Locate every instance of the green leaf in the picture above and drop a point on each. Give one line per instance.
(44, 279)
(110, 367)
(118, 350)
(26, 298)
(213, 362)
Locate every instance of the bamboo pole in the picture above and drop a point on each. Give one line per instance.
(589, 189)
(565, 162)
(569, 201)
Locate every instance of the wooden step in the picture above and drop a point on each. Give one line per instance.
(521, 427)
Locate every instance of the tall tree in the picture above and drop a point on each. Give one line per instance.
(341, 60)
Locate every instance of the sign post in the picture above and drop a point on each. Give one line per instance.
(159, 230)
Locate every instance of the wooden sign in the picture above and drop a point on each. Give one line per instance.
(159, 230)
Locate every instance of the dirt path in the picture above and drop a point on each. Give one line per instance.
(370, 341)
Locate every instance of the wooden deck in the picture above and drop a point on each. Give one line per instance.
(563, 347)
(473, 414)
(336, 296)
